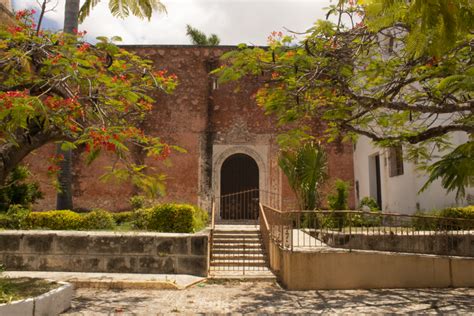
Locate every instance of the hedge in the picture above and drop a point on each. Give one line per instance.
(180, 218)
(445, 219)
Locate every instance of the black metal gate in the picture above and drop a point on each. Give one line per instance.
(239, 188)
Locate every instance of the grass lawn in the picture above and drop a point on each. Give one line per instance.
(20, 288)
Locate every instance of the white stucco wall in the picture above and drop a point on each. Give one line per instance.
(400, 193)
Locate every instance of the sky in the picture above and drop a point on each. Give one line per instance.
(234, 21)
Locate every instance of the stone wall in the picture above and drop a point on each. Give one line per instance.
(105, 252)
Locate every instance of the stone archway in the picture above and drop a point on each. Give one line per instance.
(258, 154)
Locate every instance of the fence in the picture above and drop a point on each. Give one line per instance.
(367, 231)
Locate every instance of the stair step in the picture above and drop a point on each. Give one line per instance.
(237, 257)
(236, 236)
(236, 240)
(235, 263)
(240, 246)
(236, 251)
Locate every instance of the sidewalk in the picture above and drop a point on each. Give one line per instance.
(115, 280)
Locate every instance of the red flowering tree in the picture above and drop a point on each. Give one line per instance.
(369, 78)
(56, 87)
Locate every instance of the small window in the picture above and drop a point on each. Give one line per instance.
(395, 158)
(357, 190)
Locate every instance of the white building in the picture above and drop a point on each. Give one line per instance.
(383, 174)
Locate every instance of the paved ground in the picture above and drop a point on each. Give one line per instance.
(267, 297)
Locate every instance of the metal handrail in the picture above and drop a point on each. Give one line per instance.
(369, 231)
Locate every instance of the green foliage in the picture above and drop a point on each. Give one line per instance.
(199, 38)
(456, 170)
(358, 79)
(98, 220)
(18, 191)
(178, 218)
(141, 218)
(338, 199)
(18, 217)
(56, 87)
(137, 202)
(369, 202)
(54, 220)
(445, 219)
(123, 217)
(122, 8)
(306, 169)
(434, 26)
(466, 212)
(201, 218)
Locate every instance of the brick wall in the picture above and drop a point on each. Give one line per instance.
(194, 117)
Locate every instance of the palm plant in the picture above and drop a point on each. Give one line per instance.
(306, 170)
(122, 8)
(199, 38)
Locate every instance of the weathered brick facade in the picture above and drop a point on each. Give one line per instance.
(211, 122)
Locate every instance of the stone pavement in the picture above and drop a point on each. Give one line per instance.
(268, 297)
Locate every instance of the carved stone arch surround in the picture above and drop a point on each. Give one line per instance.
(222, 152)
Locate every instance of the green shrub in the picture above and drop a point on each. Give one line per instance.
(466, 212)
(138, 202)
(370, 203)
(122, 217)
(141, 218)
(17, 191)
(338, 201)
(201, 218)
(18, 216)
(5, 221)
(97, 219)
(55, 220)
(178, 218)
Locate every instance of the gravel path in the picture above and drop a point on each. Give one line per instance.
(267, 297)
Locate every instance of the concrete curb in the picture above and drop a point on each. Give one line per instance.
(121, 285)
(53, 302)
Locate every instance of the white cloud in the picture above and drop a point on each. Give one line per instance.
(234, 21)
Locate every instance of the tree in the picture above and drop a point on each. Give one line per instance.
(361, 80)
(434, 27)
(73, 15)
(199, 38)
(306, 170)
(56, 87)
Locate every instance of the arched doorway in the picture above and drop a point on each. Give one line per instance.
(239, 188)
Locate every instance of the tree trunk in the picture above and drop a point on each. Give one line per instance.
(11, 155)
(64, 196)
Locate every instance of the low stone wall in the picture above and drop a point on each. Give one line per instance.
(450, 243)
(129, 252)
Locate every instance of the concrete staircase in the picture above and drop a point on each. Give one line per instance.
(237, 251)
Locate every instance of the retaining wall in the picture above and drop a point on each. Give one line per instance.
(129, 252)
(327, 268)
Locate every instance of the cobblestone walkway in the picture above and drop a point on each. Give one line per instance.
(267, 297)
